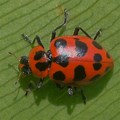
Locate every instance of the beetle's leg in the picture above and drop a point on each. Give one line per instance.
(25, 37)
(26, 92)
(97, 34)
(77, 30)
(37, 38)
(83, 96)
(60, 26)
(28, 89)
(70, 90)
(40, 83)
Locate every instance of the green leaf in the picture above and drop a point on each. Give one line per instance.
(38, 17)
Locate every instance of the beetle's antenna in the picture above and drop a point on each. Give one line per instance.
(13, 55)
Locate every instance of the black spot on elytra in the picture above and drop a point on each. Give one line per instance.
(59, 75)
(97, 57)
(61, 60)
(39, 55)
(41, 66)
(95, 77)
(97, 66)
(60, 43)
(79, 73)
(81, 48)
(97, 45)
(107, 54)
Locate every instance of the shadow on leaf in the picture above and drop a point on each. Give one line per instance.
(60, 97)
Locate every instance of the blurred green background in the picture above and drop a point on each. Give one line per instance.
(40, 17)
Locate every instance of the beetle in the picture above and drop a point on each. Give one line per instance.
(72, 60)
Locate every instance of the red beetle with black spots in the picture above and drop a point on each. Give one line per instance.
(71, 60)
